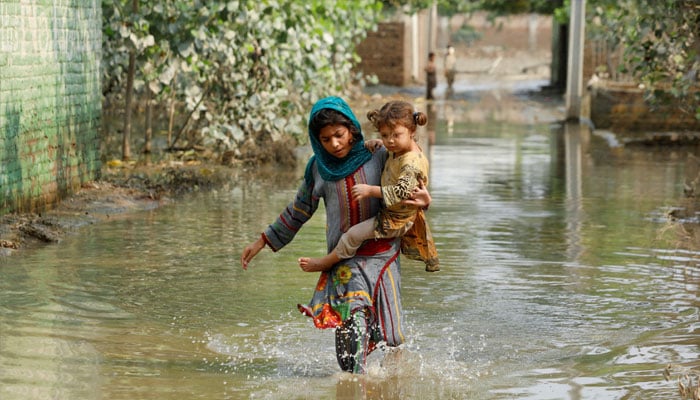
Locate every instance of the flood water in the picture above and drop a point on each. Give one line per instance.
(559, 281)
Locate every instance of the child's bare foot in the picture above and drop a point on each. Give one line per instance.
(311, 264)
(325, 263)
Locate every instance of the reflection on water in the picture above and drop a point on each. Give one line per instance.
(557, 283)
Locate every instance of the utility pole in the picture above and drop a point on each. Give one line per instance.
(574, 78)
(432, 27)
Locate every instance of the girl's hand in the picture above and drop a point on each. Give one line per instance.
(420, 198)
(251, 251)
(361, 191)
(373, 144)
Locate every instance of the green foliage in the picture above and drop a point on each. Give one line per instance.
(444, 7)
(466, 34)
(495, 7)
(242, 69)
(561, 14)
(659, 38)
(505, 7)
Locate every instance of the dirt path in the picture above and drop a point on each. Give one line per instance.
(95, 202)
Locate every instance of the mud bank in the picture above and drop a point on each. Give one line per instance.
(120, 192)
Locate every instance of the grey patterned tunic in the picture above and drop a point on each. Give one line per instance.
(371, 281)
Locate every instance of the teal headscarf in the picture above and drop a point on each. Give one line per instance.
(330, 167)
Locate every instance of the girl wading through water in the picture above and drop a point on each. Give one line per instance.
(360, 297)
(405, 169)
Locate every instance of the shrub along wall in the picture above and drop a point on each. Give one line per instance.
(50, 100)
(622, 108)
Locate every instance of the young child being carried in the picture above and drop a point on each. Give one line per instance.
(406, 168)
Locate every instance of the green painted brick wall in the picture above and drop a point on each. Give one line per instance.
(50, 100)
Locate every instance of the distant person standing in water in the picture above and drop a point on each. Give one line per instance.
(431, 76)
(450, 66)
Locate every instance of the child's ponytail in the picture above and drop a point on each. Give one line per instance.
(420, 118)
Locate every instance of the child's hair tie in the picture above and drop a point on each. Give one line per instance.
(415, 116)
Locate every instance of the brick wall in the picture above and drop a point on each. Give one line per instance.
(383, 53)
(50, 100)
(397, 52)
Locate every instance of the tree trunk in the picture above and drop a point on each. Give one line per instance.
(171, 118)
(149, 121)
(126, 147)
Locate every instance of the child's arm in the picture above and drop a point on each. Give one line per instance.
(408, 181)
(404, 190)
(283, 230)
(361, 191)
(420, 197)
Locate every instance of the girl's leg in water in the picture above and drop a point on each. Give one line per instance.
(354, 340)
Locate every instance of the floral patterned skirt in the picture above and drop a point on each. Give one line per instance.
(370, 282)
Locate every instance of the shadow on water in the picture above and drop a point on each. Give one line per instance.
(557, 283)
